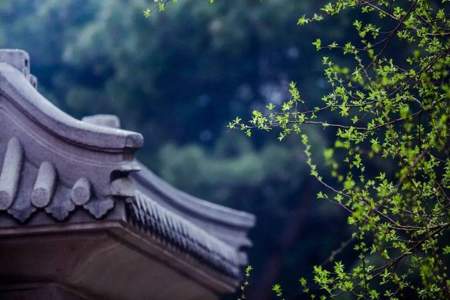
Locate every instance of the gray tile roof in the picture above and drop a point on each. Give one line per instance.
(154, 219)
(52, 164)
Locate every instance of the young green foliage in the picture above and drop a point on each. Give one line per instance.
(394, 118)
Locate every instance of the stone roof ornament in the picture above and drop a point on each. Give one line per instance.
(65, 181)
(20, 60)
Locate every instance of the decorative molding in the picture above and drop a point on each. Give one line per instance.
(44, 186)
(10, 175)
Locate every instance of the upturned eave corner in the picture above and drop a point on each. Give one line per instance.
(17, 89)
(51, 162)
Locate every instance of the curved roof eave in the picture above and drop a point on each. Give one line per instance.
(196, 207)
(15, 87)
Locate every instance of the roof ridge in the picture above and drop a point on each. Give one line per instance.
(18, 90)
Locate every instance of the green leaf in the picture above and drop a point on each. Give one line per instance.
(318, 44)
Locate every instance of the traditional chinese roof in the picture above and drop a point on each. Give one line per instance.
(62, 175)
